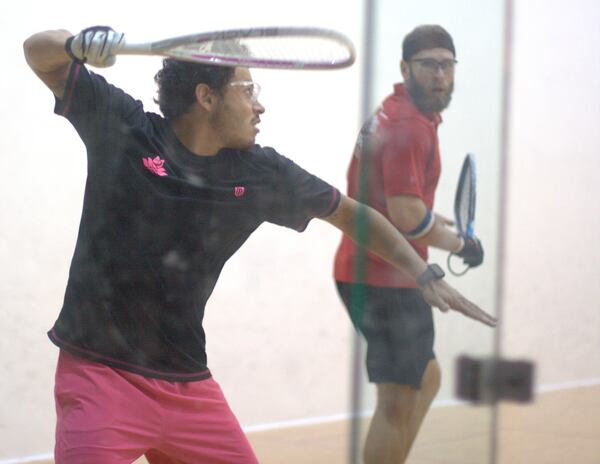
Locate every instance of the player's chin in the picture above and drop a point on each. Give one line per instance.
(444, 99)
(439, 102)
(246, 143)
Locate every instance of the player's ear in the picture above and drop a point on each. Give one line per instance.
(205, 96)
(404, 69)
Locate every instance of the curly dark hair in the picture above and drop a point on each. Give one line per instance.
(177, 81)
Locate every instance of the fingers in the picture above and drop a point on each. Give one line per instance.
(103, 45)
(433, 298)
(474, 312)
(96, 46)
(472, 252)
(441, 295)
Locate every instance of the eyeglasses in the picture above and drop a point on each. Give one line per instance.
(251, 89)
(432, 65)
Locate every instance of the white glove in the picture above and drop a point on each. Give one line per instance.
(96, 46)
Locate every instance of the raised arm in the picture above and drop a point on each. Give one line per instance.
(383, 239)
(50, 53)
(46, 56)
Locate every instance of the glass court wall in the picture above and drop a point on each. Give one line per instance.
(473, 122)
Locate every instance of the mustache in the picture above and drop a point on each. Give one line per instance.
(423, 100)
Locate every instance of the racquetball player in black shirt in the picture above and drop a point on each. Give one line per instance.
(168, 199)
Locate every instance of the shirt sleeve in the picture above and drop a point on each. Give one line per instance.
(300, 196)
(98, 110)
(404, 158)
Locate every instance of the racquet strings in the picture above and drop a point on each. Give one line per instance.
(465, 209)
(304, 51)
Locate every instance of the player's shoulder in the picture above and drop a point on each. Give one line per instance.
(404, 122)
(256, 157)
(270, 158)
(404, 126)
(113, 89)
(411, 133)
(398, 109)
(264, 154)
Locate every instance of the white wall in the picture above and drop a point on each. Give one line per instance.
(274, 323)
(552, 275)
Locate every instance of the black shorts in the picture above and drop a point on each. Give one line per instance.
(397, 324)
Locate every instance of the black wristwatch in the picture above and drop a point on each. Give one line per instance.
(433, 272)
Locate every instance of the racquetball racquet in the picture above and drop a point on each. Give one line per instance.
(269, 47)
(464, 204)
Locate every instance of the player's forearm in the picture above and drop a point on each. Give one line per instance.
(410, 215)
(440, 236)
(386, 241)
(45, 51)
(371, 229)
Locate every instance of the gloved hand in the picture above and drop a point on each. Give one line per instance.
(96, 46)
(471, 252)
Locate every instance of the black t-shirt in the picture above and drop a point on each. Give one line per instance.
(157, 226)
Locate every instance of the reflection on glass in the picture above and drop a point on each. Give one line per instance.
(423, 111)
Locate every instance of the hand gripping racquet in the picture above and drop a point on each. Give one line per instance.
(464, 205)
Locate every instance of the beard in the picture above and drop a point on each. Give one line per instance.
(228, 125)
(424, 101)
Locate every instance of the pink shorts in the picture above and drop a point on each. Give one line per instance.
(111, 416)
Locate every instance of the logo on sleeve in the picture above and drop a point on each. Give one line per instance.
(155, 165)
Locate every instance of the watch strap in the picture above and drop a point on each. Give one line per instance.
(433, 272)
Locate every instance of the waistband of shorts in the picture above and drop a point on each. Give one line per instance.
(126, 366)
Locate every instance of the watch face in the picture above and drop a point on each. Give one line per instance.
(433, 272)
(438, 272)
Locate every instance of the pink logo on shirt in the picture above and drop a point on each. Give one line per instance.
(239, 191)
(155, 165)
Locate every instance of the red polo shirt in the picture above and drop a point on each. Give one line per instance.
(403, 159)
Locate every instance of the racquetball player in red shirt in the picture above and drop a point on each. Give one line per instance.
(398, 149)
